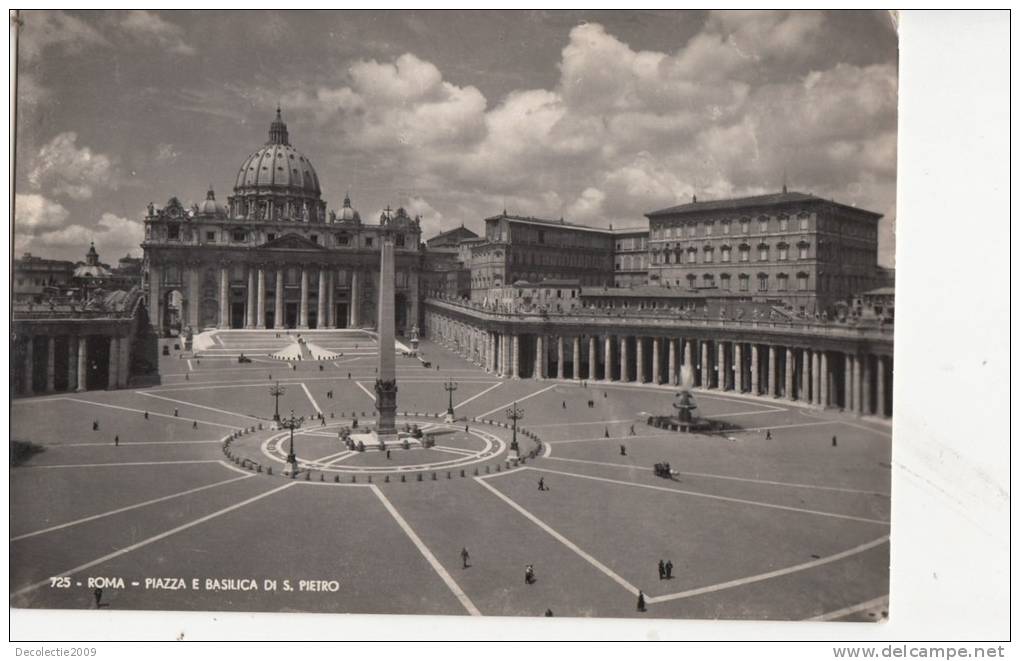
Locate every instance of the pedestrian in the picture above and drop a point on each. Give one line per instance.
(465, 558)
(321, 368)
(833, 440)
(98, 595)
(623, 450)
(194, 424)
(768, 434)
(641, 601)
(466, 430)
(541, 484)
(387, 454)
(632, 430)
(175, 413)
(605, 394)
(348, 375)
(606, 432)
(662, 570)
(529, 575)
(116, 440)
(669, 570)
(323, 420)
(95, 426)
(564, 403)
(187, 377)
(146, 415)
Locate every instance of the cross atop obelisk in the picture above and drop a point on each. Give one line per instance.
(386, 381)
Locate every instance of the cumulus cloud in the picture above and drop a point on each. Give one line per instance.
(147, 26)
(40, 228)
(431, 219)
(42, 30)
(65, 169)
(34, 213)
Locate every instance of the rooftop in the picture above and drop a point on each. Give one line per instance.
(737, 203)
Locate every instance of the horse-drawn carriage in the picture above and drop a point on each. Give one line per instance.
(662, 469)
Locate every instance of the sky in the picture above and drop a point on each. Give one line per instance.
(595, 117)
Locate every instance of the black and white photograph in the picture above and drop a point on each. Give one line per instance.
(518, 313)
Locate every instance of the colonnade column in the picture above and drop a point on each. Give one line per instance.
(249, 308)
(278, 317)
(320, 309)
(330, 298)
(492, 352)
(823, 379)
(506, 355)
(125, 362)
(772, 371)
(559, 357)
(303, 310)
(113, 362)
(738, 367)
(260, 308)
(539, 370)
(576, 371)
(656, 366)
(515, 357)
(72, 362)
(83, 374)
(720, 361)
(865, 361)
(608, 358)
(856, 387)
(593, 358)
(791, 367)
(51, 363)
(754, 369)
(224, 298)
(848, 383)
(706, 367)
(880, 386)
(194, 299)
(672, 361)
(805, 376)
(29, 365)
(687, 359)
(623, 359)
(639, 362)
(155, 314)
(355, 299)
(815, 379)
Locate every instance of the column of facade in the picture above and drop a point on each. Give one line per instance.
(355, 311)
(688, 365)
(320, 308)
(72, 362)
(538, 371)
(83, 364)
(639, 359)
(515, 358)
(278, 316)
(608, 358)
(671, 370)
(656, 365)
(720, 361)
(559, 357)
(823, 378)
(51, 365)
(855, 386)
(883, 409)
(624, 372)
(113, 362)
(125, 362)
(805, 376)
(738, 367)
(848, 382)
(866, 384)
(331, 298)
(772, 371)
(29, 366)
(194, 299)
(706, 367)
(303, 309)
(155, 314)
(492, 352)
(414, 296)
(816, 382)
(224, 298)
(789, 367)
(249, 308)
(507, 355)
(260, 305)
(754, 369)
(576, 371)
(593, 357)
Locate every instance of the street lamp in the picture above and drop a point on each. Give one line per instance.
(292, 423)
(275, 391)
(449, 387)
(514, 413)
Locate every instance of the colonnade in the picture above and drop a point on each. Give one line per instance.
(854, 378)
(36, 362)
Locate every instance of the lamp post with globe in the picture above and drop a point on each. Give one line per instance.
(450, 386)
(514, 413)
(291, 423)
(275, 391)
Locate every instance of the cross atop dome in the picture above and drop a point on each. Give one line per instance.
(278, 130)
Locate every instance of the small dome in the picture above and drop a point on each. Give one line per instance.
(347, 213)
(210, 207)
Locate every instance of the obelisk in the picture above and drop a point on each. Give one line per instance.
(386, 380)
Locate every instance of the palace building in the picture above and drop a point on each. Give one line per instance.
(275, 256)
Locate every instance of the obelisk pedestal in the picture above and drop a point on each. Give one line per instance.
(386, 381)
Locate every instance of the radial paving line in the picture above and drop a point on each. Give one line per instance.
(367, 391)
(516, 401)
(311, 399)
(125, 463)
(450, 583)
(130, 507)
(794, 485)
(591, 422)
(606, 438)
(191, 368)
(161, 415)
(473, 398)
(699, 494)
(849, 610)
(150, 540)
(198, 406)
(560, 538)
(772, 574)
(127, 443)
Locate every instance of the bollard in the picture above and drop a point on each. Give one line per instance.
(269, 471)
(308, 476)
(498, 468)
(487, 470)
(433, 477)
(260, 468)
(508, 464)
(403, 478)
(387, 479)
(448, 475)
(476, 470)
(354, 479)
(322, 477)
(462, 472)
(370, 479)
(419, 477)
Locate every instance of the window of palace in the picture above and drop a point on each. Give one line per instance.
(744, 282)
(692, 229)
(784, 250)
(802, 281)
(725, 254)
(400, 241)
(802, 250)
(708, 280)
(692, 255)
(173, 232)
(692, 281)
(211, 237)
(784, 223)
(763, 252)
(314, 238)
(763, 224)
(745, 225)
(763, 282)
(709, 227)
(368, 242)
(724, 281)
(803, 218)
(238, 236)
(709, 254)
(342, 239)
(745, 253)
(725, 227)
(781, 279)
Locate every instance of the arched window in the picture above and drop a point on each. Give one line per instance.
(725, 254)
(709, 227)
(763, 282)
(763, 224)
(725, 227)
(692, 228)
(709, 254)
(692, 255)
(763, 252)
(708, 280)
(692, 281)
(781, 281)
(784, 251)
(802, 281)
(724, 281)
(803, 219)
(802, 249)
(745, 252)
(745, 225)
(784, 223)
(744, 281)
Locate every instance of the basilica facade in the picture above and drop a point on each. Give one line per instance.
(274, 255)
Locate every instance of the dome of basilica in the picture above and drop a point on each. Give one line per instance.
(278, 166)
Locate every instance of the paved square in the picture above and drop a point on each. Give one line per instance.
(786, 527)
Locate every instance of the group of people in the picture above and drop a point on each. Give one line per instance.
(665, 570)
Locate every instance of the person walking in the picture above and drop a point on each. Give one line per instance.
(146, 415)
(669, 570)
(623, 450)
(768, 434)
(833, 440)
(548, 612)
(541, 484)
(116, 440)
(641, 601)
(387, 454)
(95, 425)
(632, 430)
(529, 575)
(175, 413)
(194, 424)
(662, 570)
(564, 403)
(606, 432)
(465, 558)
